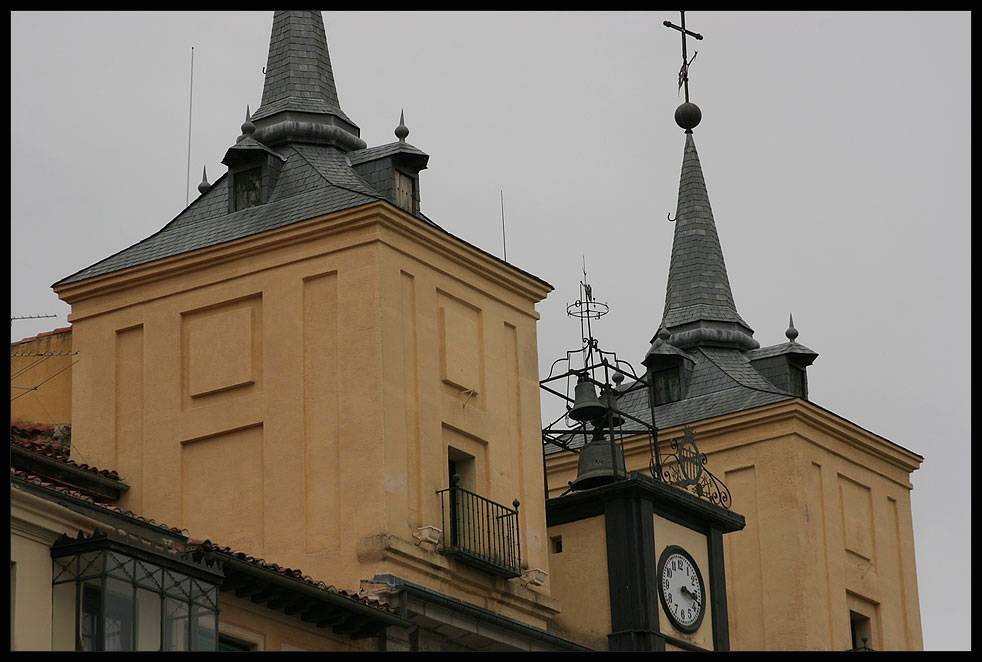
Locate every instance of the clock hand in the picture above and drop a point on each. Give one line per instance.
(685, 589)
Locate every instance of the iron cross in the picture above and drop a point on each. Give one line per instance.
(684, 72)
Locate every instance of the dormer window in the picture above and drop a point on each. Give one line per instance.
(404, 191)
(248, 188)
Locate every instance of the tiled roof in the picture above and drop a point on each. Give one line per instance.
(372, 153)
(209, 547)
(299, 75)
(778, 350)
(57, 437)
(698, 286)
(59, 454)
(38, 481)
(314, 181)
(64, 329)
(205, 546)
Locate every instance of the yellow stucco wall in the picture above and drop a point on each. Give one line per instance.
(829, 527)
(294, 395)
(43, 362)
(35, 524)
(272, 631)
(580, 582)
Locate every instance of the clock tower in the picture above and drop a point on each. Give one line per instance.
(646, 547)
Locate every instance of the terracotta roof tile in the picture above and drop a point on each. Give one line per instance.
(64, 329)
(75, 494)
(40, 439)
(209, 546)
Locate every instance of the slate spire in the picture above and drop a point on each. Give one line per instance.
(300, 98)
(699, 307)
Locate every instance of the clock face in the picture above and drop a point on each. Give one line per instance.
(680, 586)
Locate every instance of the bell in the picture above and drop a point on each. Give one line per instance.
(610, 417)
(586, 406)
(601, 462)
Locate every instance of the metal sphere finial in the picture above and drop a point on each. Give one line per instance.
(688, 116)
(402, 130)
(618, 378)
(792, 332)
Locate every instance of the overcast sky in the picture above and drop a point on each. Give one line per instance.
(835, 148)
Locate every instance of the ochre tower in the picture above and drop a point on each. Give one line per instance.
(826, 561)
(292, 363)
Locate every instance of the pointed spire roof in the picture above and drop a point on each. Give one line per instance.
(298, 70)
(300, 98)
(699, 307)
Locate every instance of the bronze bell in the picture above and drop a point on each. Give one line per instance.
(601, 462)
(586, 406)
(608, 398)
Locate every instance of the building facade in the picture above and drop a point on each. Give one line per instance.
(303, 371)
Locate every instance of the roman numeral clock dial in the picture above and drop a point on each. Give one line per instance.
(681, 589)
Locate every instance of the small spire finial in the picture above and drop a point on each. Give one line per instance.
(402, 130)
(204, 185)
(792, 332)
(248, 128)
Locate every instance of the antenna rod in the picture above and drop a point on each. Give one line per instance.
(28, 317)
(187, 180)
(504, 246)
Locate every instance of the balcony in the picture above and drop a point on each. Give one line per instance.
(480, 532)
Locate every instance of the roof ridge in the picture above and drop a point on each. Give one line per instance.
(141, 241)
(702, 350)
(327, 179)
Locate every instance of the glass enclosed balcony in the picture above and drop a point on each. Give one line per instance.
(109, 595)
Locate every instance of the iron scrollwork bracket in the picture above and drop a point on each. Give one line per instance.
(686, 468)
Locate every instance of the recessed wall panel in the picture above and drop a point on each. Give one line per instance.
(129, 410)
(856, 502)
(322, 456)
(222, 348)
(461, 344)
(222, 488)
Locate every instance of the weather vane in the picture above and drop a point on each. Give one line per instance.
(684, 71)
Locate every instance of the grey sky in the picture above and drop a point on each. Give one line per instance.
(835, 148)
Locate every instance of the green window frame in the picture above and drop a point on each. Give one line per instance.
(110, 600)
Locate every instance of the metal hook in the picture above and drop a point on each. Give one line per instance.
(669, 217)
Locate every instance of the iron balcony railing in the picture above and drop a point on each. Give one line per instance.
(480, 532)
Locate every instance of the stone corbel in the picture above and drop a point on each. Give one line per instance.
(428, 534)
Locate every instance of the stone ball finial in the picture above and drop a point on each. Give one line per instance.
(688, 116)
(402, 130)
(204, 185)
(792, 332)
(248, 128)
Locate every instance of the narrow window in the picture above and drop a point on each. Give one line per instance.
(557, 544)
(404, 191)
(667, 385)
(861, 631)
(248, 188)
